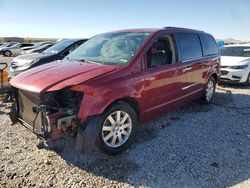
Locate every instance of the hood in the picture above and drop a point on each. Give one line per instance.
(234, 60)
(33, 56)
(6, 48)
(34, 50)
(27, 47)
(57, 75)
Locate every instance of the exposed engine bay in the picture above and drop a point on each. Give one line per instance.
(49, 114)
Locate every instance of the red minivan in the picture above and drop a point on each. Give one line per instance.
(114, 82)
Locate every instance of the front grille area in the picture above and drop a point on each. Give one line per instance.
(27, 101)
(224, 72)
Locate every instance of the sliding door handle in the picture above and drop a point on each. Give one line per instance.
(187, 69)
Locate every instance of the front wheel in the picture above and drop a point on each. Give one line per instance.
(209, 90)
(7, 53)
(248, 80)
(118, 126)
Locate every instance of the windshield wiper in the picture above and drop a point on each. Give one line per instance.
(81, 60)
(89, 61)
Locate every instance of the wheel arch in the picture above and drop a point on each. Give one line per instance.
(130, 101)
(215, 76)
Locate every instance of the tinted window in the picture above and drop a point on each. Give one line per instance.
(189, 46)
(208, 45)
(58, 47)
(235, 51)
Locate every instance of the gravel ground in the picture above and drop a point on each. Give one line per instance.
(196, 146)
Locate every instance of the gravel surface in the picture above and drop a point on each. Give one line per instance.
(196, 146)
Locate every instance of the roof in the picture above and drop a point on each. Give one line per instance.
(159, 29)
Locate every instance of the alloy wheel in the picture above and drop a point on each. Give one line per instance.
(116, 129)
(7, 53)
(210, 90)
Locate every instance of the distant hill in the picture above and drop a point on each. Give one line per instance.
(232, 41)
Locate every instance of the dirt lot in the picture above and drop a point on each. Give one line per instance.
(196, 146)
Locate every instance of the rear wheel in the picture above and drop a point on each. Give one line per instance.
(118, 126)
(7, 53)
(209, 90)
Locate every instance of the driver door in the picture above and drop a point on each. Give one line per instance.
(162, 78)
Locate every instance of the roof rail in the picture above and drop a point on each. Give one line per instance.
(170, 27)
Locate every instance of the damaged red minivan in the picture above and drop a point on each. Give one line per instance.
(114, 82)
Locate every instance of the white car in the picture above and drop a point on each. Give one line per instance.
(235, 63)
(12, 50)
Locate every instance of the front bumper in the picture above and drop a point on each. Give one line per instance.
(45, 121)
(234, 75)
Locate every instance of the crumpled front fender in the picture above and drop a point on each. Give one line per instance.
(95, 102)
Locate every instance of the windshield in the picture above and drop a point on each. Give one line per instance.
(235, 51)
(116, 48)
(10, 44)
(58, 47)
(3, 45)
(38, 44)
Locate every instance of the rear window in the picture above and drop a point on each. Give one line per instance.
(209, 46)
(189, 46)
(238, 51)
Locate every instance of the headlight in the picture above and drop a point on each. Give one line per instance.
(21, 64)
(25, 62)
(239, 67)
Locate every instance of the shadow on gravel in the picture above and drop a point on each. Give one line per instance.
(234, 86)
(115, 168)
(196, 146)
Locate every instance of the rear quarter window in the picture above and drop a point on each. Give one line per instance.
(189, 46)
(209, 46)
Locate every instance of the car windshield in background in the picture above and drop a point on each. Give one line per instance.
(43, 46)
(235, 51)
(10, 44)
(115, 48)
(55, 49)
(37, 44)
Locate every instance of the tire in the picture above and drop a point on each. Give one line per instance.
(7, 53)
(248, 80)
(116, 134)
(209, 90)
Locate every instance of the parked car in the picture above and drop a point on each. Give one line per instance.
(34, 45)
(55, 52)
(38, 49)
(7, 44)
(115, 81)
(13, 50)
(235, 63)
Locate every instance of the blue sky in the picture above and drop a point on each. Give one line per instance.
(85, 18)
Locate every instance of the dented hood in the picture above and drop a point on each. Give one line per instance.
(58, 75)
